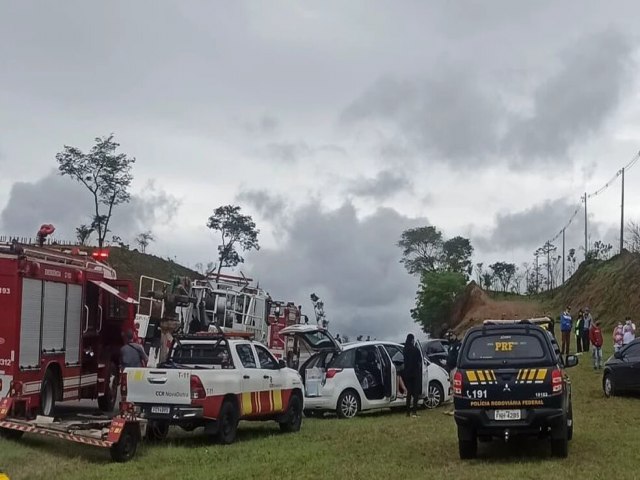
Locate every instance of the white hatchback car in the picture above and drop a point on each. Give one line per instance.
(358, 376)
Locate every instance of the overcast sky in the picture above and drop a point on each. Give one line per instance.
(335, 124)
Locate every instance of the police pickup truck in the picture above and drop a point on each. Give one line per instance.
(214, 380)
(510, 380)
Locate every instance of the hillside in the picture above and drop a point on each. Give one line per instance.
(610, 288)
(131, 264)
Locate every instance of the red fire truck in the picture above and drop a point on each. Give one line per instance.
(62, 315)
(282, 315)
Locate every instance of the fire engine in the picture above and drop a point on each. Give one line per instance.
(62, 314)
(230, 302)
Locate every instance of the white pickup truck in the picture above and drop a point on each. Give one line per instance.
(214, 381)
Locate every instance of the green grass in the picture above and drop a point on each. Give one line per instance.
(379, 445)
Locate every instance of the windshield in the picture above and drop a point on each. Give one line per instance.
(505, 347)
(211, 354)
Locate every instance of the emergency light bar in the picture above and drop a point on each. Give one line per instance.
(101, 254)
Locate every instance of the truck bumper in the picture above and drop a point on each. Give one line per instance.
(171, 413)
(481, 422)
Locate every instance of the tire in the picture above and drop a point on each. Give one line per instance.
(467, 444)
(157, 431)
(435, 395)
(10, 434)
(227, 423)
(126, 448)
(348, 404)
(294, 416)
(570, 423)
(560, 441)
(48, 392)
(107, 402)
(608, 386)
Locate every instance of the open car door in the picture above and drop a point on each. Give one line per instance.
(316, 338)
(389, 381)
(425, 373)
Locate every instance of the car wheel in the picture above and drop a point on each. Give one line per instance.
(157, 431)
(435, 395)
(125, 449)
(107, 402)
(348, 404)
(560, 441)
(227, 423)
(48, 394)
(608, 386)
(294, 416)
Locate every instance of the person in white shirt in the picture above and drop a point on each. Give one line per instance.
(628, 331)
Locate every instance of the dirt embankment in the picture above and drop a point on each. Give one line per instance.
(476, 305)
(611, 289)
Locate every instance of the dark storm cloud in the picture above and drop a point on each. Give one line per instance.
(67, 204)
(460, 115)
(531, 228)
(270, 207)
(576, 101)
(384, 185)
(351, 263)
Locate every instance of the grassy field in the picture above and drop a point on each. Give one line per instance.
(379, 445)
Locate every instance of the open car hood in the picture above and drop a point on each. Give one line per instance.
(316, 338)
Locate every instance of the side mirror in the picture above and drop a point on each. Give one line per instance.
(618, 355)
(282, 363)
(572, 361)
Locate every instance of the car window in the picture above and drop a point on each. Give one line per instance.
(632, 351)
(246, 355)
(435, 347)
(395, 353)
(318, 340)
(346, 359)
(505, 347)
(266, 359)
(216, 355)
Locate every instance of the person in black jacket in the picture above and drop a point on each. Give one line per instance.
(412, 373)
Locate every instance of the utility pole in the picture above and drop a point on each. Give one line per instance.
(548, 265)
(537, 272)
(563, 256)
(586, 237)
(622, 215)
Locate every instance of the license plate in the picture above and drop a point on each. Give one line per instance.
(161, 410)
(508, 415)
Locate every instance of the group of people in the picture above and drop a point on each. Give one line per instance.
(589, 334)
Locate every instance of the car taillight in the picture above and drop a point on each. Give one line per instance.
(123, 386)
(457, 383)
(556, 381)
(332, 372)
(197, 389)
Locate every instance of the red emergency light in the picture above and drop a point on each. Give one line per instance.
(101, 254)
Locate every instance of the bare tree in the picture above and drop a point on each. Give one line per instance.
(83, 232)
(144, 239)
(633, 237)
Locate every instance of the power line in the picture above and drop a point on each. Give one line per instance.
(626, 168)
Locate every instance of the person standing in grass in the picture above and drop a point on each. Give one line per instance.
(587, 321)
(412, 374)
(618, 335)
(578, 332)
(565, 330)
(628, 331)
(595, 336)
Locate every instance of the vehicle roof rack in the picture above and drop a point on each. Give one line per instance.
(526, 321)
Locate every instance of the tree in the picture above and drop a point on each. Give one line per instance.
(600, 251)
(236, 230)
(479, 272)
(457, 253)
(421, 249)
(435, 298)
(83, 232)
(106, 174)
(633, 237)
(487, 280)
(144, 239)
(571, 261)
(504, 272)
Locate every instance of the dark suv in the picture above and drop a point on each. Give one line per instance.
(510, 380)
